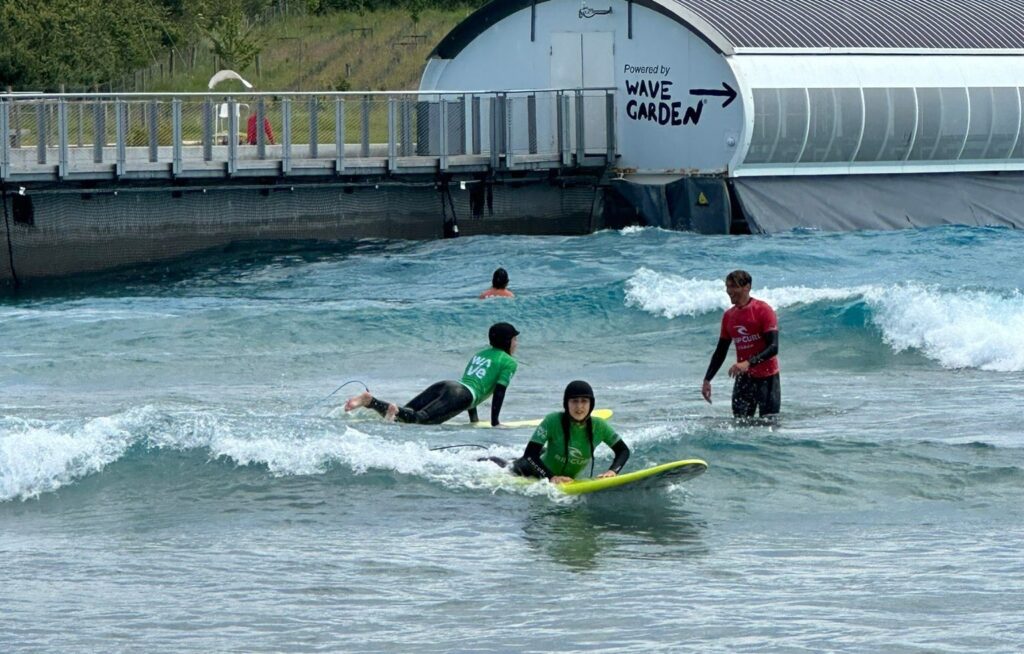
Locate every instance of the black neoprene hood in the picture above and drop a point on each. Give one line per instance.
(578, 388)
(501, 334)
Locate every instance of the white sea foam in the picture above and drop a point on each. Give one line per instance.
(957, 328)
(672, 296)
(81, 314)
(37, 458)
(314, 452)
(631, 230)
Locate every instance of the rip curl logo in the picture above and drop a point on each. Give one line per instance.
(576, 456)
(745, 336)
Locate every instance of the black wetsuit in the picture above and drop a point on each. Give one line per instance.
(750, 394)
(441, 402)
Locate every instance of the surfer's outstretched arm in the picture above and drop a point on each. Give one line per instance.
(621, 456)
(717, 359)
(496, 401)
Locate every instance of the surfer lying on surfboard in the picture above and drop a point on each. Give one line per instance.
(550, 455)
(489, 372)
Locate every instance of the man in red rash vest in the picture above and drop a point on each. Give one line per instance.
(750, 324)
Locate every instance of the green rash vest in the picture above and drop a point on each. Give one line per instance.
(549, 434)
(485, 370)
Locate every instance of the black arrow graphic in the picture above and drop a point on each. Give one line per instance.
(729, 93)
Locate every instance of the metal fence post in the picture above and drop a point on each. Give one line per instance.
(208, 136)
(339, 134)
(392, 135)
(62, 137)
(5, 135)
(609, 104)
(476, 124)
(314, 127)
(467, 137)
(99, 119)
(365, 151)
(176, 143)
(154, 138)
(406, 126)
(531, 121)
(560, 125)
(232, 136)
(41, 132)
(286, 135)
(508, 111)
(443, 137)
(121, 116)
(261, 137)
(494, 132)
(580, 150)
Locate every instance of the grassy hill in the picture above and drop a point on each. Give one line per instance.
(373, 51)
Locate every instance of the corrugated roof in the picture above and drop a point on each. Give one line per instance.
(859, 24)
(787, 25)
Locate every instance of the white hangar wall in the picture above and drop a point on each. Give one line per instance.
(838, 123)
(662, 125)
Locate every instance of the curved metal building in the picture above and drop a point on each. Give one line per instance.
(779, 113)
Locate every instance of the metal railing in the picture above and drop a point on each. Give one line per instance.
(155, 135)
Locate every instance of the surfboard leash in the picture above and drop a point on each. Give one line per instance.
(332, 393)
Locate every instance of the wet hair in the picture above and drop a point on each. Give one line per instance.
(739, 277)
(500, 278)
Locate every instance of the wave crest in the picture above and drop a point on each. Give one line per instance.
(957, 328)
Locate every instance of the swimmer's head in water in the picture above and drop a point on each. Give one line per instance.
(500, 278)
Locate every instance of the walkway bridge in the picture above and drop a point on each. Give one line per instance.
(91, 182)
(183, 136)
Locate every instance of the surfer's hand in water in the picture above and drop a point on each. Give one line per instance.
(705, 391)
(607, 473)
(560, 479)
(739, 368)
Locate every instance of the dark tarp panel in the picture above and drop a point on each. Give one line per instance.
(696, 204)
(852, 202)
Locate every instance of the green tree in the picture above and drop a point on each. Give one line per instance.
(231, 26)
(75, 43)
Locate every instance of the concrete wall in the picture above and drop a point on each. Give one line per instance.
(100, 228)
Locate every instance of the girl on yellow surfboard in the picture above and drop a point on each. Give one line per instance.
(563, 444)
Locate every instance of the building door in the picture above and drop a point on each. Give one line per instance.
(585, 60)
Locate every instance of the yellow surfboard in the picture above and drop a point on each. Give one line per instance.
(599, 413)
(675, 471)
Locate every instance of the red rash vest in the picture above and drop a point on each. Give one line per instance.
(745, 326)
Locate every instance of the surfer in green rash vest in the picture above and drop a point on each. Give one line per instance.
(488, 373)
(564, 442)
